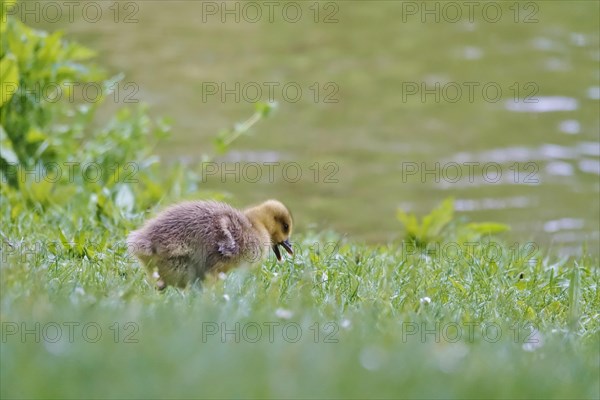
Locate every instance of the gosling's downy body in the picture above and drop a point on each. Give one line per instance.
(188, 240)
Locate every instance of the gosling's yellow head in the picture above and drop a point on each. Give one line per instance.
(277, 220)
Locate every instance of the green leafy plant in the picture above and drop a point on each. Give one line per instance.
(36, 68)
(431, 226)
(440, 225)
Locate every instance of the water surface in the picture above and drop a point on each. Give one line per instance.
(517, 97)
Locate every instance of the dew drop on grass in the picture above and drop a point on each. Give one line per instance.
(570, 126)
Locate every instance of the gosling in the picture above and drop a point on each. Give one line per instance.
(187, 241)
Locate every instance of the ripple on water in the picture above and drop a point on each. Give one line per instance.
(593, 92)
(492, 203)
(543, 44)
(579, 39)
(590, 166)
(472, 53)
(559, 168)
(543, 104)
(563, 224)
(557, 64)
(589, 148)
(252, 156)
(548, 151)
(570, 126)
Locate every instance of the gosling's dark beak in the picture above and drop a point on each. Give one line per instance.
(286, 245)
(276, 251)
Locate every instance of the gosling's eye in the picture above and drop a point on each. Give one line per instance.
(286, 227)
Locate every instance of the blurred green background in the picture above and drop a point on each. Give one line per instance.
(543, 127)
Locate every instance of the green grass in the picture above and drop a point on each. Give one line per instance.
(366, 328)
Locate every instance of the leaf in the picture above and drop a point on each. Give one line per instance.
(409, 221)
(63, 239)
(9, 78)
(50, 49)
(16, 211)
(7, 152)
(521, 285)
(529, 313)
(39, 192)
(35, 135)
(22, 42)
(493, 268)
(265, 108)
(555, 308)
(79, 243)
(77, 52)
(438, 218)
(6, 4)
(488, 227)
(220, 142)
(574, 296)
(458, 285)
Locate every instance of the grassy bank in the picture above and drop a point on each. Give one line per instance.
(353, 321)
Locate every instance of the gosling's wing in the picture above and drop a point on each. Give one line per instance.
(227, 243)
